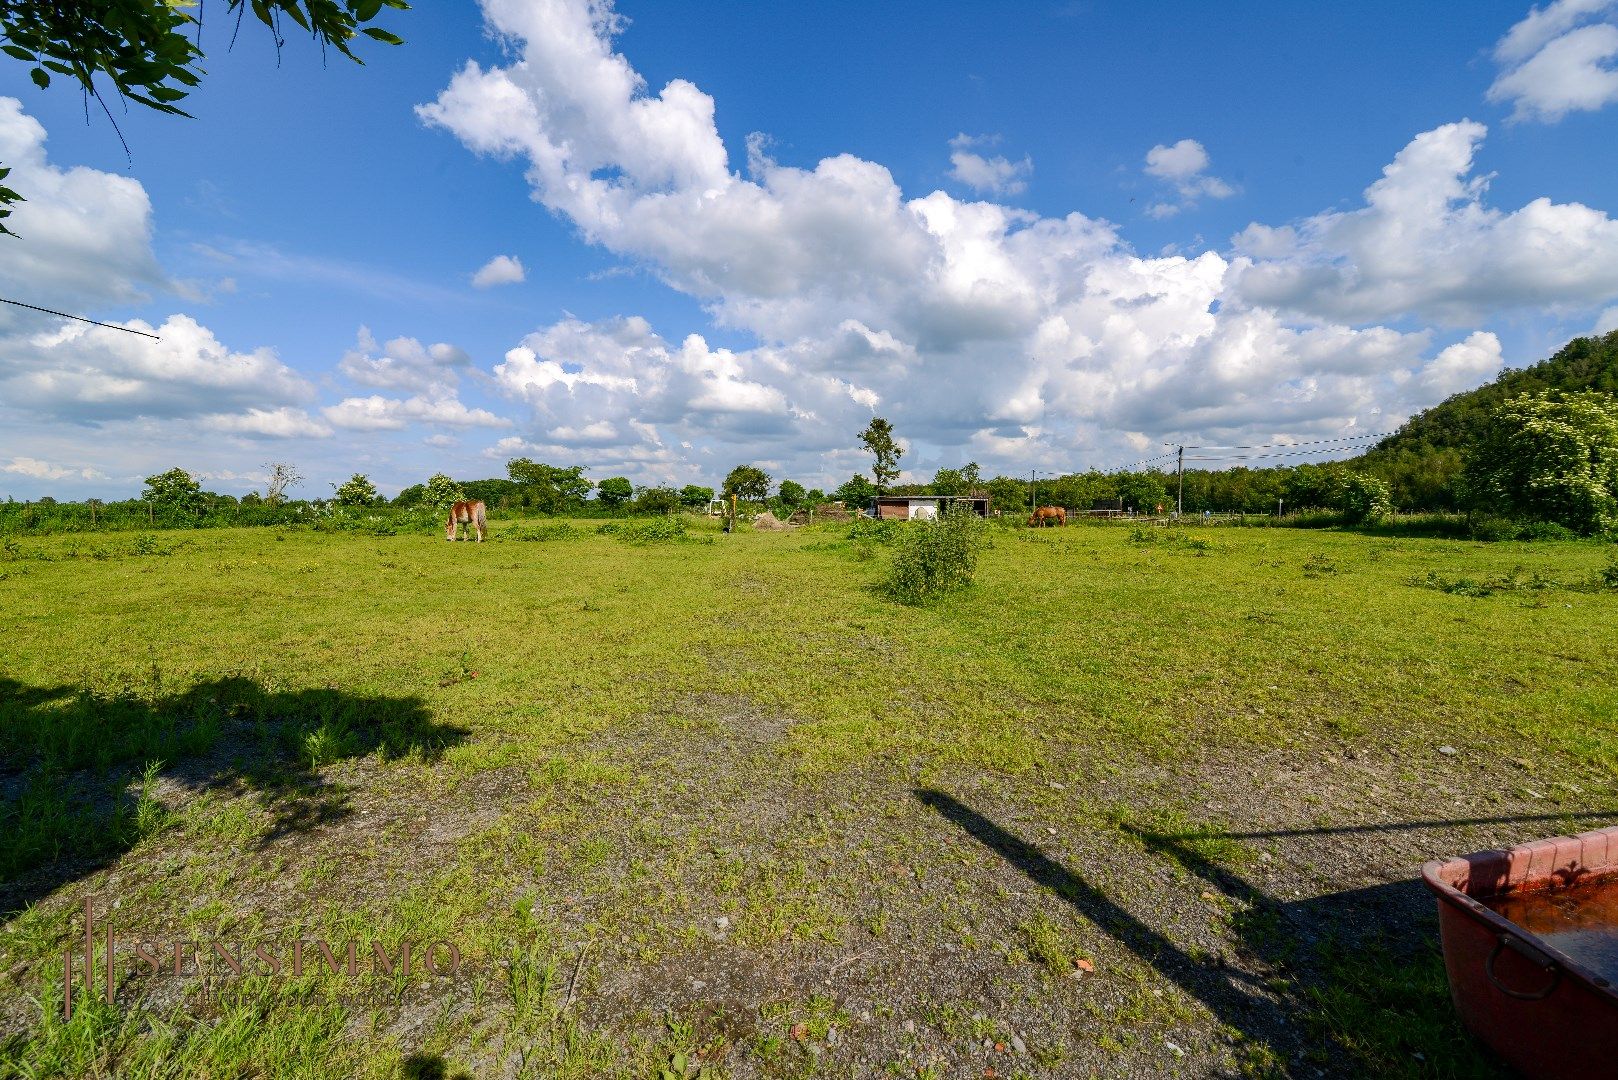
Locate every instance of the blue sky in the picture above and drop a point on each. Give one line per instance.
(1046, 235)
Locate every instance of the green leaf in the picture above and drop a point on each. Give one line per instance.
(41, 79)
(382, 36)
(19, 53)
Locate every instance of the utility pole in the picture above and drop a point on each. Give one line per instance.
(1179, 499)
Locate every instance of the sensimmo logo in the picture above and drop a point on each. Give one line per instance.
(188, 959)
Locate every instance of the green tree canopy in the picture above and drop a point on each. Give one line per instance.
(1551, 457)
(885, 452)
(614, 491)
(792, 494)
(175, 492)
(150, 51)
(856, 492)
(441, 492)
(695, 497)
(357, 490)
(657, 500)
(748, 482)
(550, 488)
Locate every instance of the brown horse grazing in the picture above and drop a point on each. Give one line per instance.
(1048, 515)
(469, 513)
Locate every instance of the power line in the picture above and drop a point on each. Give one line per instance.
(1310, 442)
(1260, 457)
(78, 318)
(1143, 461)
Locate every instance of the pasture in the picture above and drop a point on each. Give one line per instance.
(1139, 802)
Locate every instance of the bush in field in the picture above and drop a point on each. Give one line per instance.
(661, 530)
(876, 530)
(1362, 499)
(357, 490)
(696, 497)
(1550, 457)
(541, 533)
(175, 493)
(935, 557)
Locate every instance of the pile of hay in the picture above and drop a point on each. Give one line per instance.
(769, 521)
(832, 512)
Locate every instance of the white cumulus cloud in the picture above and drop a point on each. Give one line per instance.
(1427, 244)
(500, 270)
(1183, 166)
(1002, 335)
(1559, 59)
(991, 175)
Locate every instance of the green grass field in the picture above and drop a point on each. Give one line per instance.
(1140, 801)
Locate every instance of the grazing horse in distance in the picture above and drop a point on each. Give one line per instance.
(470, 513)
(1048, 515)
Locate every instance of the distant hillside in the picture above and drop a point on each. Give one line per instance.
(1420, 460)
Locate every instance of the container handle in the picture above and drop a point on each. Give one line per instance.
(1528, 952)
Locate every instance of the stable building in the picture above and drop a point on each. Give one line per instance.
(924, 507)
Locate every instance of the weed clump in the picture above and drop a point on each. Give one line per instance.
(542, 533)
(661, 530)
(936, 557)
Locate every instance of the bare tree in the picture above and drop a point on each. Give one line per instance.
(282, 476)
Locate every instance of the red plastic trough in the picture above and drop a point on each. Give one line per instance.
(1545, 1012)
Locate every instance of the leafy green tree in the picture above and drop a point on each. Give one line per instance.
(1362, 499)
(657, 500)
(549, 488)
(1142, 492)
(748, 482)
(357, 490)
(175, 492)
(792, 494)
(856, 492)
(885, 452)
(1551, 457)
(441, 492)
(614, 491)
(695, 497)
(150, 51)
(963, 481)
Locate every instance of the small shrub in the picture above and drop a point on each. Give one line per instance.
(874, 530)
(661, 530)
(1545, 530)
(935, 557)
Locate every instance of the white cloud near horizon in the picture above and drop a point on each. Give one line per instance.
(1558, 59)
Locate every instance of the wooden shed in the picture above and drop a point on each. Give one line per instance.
(925, 507)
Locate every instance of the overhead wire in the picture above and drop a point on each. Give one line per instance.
(78, 318)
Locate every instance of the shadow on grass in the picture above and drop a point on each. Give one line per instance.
(1363, 990)
(79, 770)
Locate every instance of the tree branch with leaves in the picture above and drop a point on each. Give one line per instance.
(150, 51)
